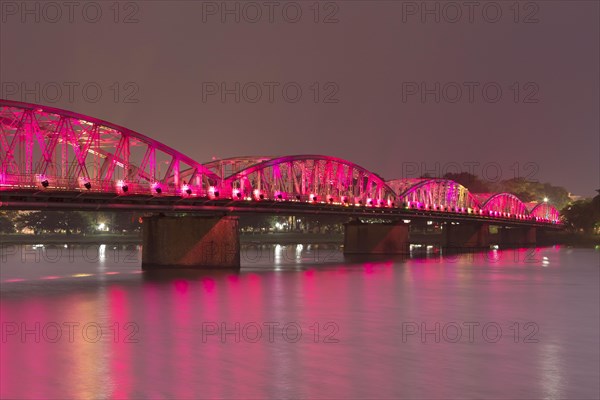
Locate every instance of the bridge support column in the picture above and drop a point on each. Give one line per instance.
(518, 236)
(190, 242)
(465, 235)
(362, 238)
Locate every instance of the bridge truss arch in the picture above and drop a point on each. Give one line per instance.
(45, 147)
(504, 205)
(228, 166)
(434, 194)
(545, 212)
(48, 149)
(312, 178)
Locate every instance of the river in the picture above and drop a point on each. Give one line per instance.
(300, 321)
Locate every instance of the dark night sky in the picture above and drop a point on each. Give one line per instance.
(372, 51)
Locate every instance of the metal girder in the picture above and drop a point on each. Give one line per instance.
(310, 178)
(437, 194)
(504, 203)
(68, 150)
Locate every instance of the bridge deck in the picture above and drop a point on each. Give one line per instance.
(97, 201)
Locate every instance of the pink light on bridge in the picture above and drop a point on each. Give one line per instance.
(122, 187)
(42, 181)
(213, 192)
(84, 183)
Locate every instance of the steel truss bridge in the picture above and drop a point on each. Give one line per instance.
(56, 159)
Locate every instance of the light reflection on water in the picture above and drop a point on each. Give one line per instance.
(173, 334)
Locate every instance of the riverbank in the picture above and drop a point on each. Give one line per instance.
(136, 238)
(568, 239)
(284, 238)
(71, 239)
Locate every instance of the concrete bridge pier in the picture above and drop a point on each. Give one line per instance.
(190, 242)
(467, 235)
(517, 236)
(376, 238)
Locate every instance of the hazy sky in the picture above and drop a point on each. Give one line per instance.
(497, 88)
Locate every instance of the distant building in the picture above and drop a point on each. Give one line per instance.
(574, 197)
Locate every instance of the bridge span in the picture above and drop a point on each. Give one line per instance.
(56, 159)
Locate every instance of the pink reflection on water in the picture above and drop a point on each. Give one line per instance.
(180, 353)
(208, 312)
(120, 347)
(368, 301)
(181, 286)
(208, 284)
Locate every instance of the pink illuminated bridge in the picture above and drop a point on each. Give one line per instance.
(57, 159)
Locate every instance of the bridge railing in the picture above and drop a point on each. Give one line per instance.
(41, 182)
(36, 182)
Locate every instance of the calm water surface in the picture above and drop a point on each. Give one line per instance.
(300, 322)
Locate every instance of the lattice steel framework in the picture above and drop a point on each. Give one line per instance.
(504, 205)
(44, 148)
(229, 166)
(310, 178)
(545, 212)
(55, 149)
(434, 194)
